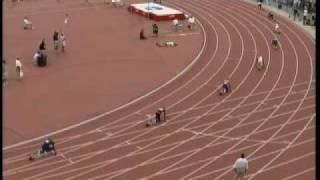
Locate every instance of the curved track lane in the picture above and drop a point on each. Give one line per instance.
(269, 115)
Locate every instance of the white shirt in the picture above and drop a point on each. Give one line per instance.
(241, 163)
(175, 22)
(35, 57)
(191, 20)
(18, 63)
(260, 60)
(26, 21)
(305, 12)
(66, 20)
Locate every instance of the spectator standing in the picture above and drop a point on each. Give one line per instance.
(62, 40)
(305, 13)
(191, 22)
(155, 30)
(4, 73)
(19, 69)
(259, 4)
(142, 36)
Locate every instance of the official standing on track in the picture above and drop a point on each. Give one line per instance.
(241, 167)
(19, 69)
(55, 40)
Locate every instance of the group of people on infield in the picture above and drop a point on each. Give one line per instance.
(40, 56)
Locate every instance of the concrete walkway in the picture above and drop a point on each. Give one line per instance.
(310, 29)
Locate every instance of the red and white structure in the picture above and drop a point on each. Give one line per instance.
(156, 11)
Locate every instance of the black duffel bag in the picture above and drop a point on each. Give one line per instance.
(42, 60)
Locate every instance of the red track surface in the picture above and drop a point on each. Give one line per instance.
(269, 115)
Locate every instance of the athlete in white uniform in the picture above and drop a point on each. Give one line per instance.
(19, 68)
(260, 63)
(27, 23)
(276, 28)
(241, 167)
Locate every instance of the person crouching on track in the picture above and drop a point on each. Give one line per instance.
(270, 16)
(260, 63)
(275, 43)
(226, 87)
(48, 146)
(19, 68)
(27, 23)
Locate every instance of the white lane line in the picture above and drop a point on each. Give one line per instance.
(64, 157)
(236, 151)
(266, 120)
(283, 124)
(300, 173)
(66, 139)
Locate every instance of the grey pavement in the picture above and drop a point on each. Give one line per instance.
(309, 29)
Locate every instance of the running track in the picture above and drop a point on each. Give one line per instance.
(269, 115)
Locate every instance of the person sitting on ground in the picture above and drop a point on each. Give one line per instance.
(191, 22)
(48, 146)
(42, 59)
(142, 36)
(167, 44)
(155, 30)
(275, 43)
(270, 16)
(276, 28)
(226, 87)
(260, 63)
(27, 23)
